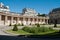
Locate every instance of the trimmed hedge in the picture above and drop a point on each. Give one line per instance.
(37, 29)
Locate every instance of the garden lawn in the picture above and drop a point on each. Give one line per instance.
(49, 32)
(21, 32)
(18, 32)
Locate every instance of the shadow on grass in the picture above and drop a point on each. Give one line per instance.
(50, 35)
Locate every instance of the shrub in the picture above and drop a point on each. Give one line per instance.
(22, 24)
(45, 29)
(15, 28)
(38, 25)
(59, 31)
(40, 29)
(26, 29)
(36, 29)
(30, 23)
(50, 28)
(19, 24)
(35, 24)
(10, 24)
(30, 29)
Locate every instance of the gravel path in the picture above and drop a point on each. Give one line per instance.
(2, 29)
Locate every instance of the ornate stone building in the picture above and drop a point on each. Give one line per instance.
(28, 16)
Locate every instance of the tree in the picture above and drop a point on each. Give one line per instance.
(10, 24)
(54, 15)
(38, 25)
(15, 28)
(55, 23)
(38, 14)
(41, 14)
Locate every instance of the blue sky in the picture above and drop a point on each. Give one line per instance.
(41, 6)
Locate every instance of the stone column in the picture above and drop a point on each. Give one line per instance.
(44, 20)
(17, 20)
(29, 21)
(33, 21)
(0, 19)
(5, 20)
(22, 21)
(37, 21)
(47, 21)
(11, 21)
(41, 21)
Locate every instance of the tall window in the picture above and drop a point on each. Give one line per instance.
(2, 17)
(26, 19)
(9, 17)
(31, 19)
(35, 20)
(38, 20)
(21, 19)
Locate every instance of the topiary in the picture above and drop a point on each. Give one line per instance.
(22, 24)
(19, 24)
(15, 28)
(10, 24)
(30, 23)
(38, 25)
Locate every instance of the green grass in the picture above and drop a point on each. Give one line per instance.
(44, 33)
(21, 32)
(18, 32)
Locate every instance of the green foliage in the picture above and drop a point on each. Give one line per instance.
(30, 29)
(30, 23)
(15, 28)
(37, 29)
(41, 14)
(26, 29)
(10, 24)
(59, 31)
(22, 24)
(19, 24)
(51, 28)
(45, 29)
(38, 25)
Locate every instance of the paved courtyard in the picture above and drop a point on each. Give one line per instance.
(2, 28)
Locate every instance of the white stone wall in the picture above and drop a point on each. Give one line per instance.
(24, 22)
(7, 22)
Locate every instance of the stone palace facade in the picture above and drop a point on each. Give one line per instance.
(28, 16)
